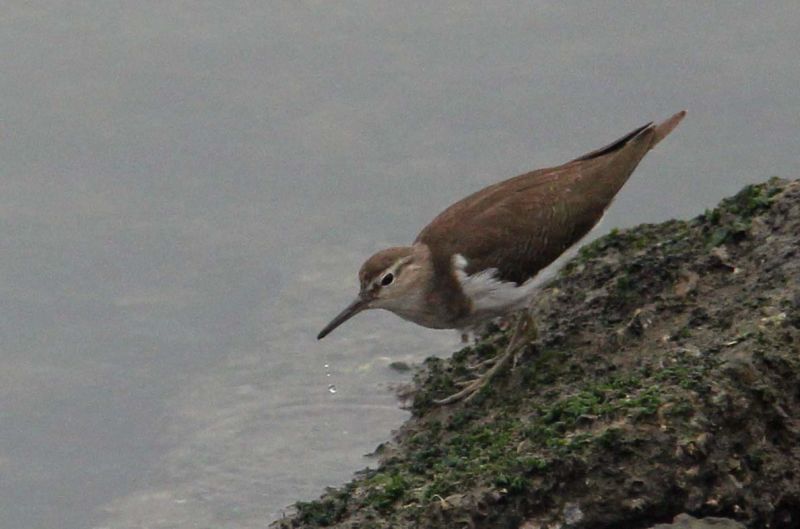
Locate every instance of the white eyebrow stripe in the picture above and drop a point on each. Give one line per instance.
(391, 270)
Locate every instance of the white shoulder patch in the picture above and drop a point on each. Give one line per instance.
(490, 296)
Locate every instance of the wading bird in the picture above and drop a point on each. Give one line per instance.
(476, 260)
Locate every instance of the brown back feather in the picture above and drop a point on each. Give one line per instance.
(522, 224)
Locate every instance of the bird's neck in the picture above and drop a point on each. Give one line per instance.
(444, 302)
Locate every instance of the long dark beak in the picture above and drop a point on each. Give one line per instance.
(354, 308)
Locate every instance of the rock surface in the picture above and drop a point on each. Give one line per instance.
(684, 521)
(665, 379)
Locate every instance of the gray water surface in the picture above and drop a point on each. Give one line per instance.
(188, 188)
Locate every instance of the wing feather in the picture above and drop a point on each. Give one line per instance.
(521, 225)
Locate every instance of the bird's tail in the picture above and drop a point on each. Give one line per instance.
(643, 139)
(663, 129)
(615, 162)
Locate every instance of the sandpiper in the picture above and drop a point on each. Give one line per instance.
(476, 260)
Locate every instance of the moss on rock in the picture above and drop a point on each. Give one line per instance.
(665, 379)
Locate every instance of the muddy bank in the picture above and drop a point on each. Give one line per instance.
(665, 379)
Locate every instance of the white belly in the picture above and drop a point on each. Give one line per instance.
(489, 296)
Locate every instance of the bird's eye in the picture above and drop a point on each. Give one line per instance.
(387, 279)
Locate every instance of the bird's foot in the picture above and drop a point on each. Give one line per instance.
(477, 366)
(524, 332)
(472, 387)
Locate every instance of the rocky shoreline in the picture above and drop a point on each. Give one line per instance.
(665, 379)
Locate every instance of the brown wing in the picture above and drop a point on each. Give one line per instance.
(521, 225)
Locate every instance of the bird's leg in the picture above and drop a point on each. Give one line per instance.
(529, 335)
(521, 336)
(477, 366)
(488, 362)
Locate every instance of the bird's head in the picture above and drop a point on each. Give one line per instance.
(392, 279)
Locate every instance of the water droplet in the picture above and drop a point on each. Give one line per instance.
(331, 388)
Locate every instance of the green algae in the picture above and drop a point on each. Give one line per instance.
(694, 400)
